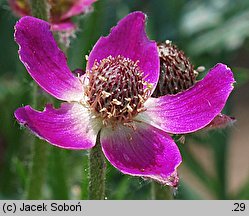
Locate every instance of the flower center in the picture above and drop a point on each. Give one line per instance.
(117, 90)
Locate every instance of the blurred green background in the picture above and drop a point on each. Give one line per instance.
(215, 163)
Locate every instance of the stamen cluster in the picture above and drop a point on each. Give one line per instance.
(116, 89)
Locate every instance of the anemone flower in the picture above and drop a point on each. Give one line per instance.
(61, 11)
(113, 99)
(177, 74)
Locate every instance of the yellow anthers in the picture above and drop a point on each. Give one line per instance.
(105, 94)
(103, 110)
(102, 78)
(128, 99)
(149, 86)
(141, 99)
(129, 108)
(116, 102)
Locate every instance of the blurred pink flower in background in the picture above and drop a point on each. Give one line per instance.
(60, 11)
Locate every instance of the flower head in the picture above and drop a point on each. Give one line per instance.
(177, 74)
(113, 99)
(60, 11)
(176, 71)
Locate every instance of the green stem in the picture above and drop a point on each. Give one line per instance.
(39, 151)
(85, 178)
(152, 191)
(39, 9)
(38, 170)
(58, 180)
(97, 167)
(160, 192)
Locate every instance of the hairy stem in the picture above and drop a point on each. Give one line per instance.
(97, 168)
(85, 178)
(39, 148)
(37, 170)
(160, 192)
(39, 9)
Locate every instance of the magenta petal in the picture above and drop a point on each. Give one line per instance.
(196, 107)
(129, 39)
(79, 7)
(142, 151)
(67, 127)
(65, 26)
(44, 61)
(17, 9)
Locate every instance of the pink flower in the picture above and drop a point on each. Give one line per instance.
(60, 11)
(113, 99)
(177, 74)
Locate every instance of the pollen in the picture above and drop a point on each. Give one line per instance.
(115, 101)
(105, 94)
(116, 89)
